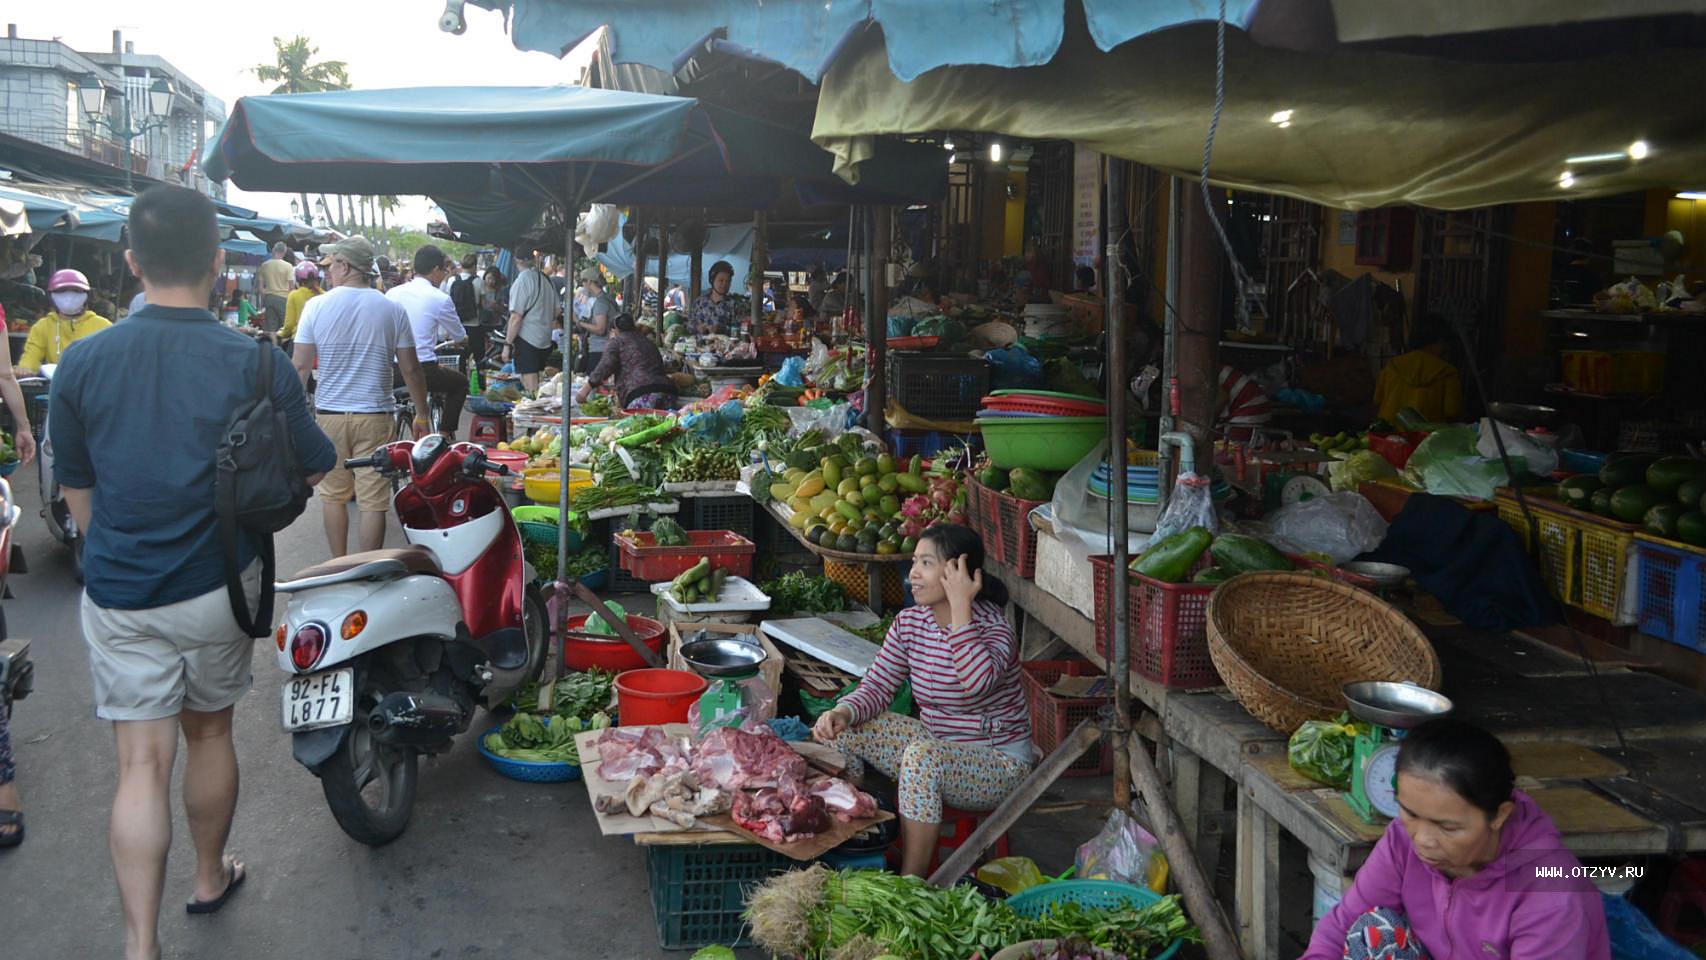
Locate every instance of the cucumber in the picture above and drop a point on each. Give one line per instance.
(1243, 554)
(1171, 560)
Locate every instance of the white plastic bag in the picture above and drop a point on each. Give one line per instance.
(1190, 505)
(598, 225)
(1535, 456)
(1341, 525)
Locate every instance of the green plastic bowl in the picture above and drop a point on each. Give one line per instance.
(1040, 443)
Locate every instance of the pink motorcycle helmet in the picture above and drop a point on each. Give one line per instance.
(67, 280)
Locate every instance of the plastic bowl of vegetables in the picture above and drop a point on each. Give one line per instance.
(537, 751)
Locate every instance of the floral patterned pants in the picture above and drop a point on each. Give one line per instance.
(930, 772)
(1382, 934)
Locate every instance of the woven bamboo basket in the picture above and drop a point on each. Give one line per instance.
(1285, 643)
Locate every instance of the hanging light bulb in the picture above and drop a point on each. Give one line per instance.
(1638, 150)
(995, 152)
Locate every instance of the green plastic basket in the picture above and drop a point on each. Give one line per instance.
(1040, 900)
(1040, 443)
(535, 531)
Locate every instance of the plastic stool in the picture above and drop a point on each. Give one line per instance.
(487, 430)
(1687, 889)
(962, 823)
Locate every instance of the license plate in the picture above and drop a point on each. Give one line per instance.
(324, 699)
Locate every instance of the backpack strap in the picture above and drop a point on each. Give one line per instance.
(225, 507)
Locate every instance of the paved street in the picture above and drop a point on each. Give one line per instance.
(488, 868)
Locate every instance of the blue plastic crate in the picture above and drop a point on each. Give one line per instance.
(699, 892)
(928, 443)
(1671, 592)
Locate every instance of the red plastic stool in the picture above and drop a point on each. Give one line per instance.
(957, 826)
(1687, 889)
(487, 430)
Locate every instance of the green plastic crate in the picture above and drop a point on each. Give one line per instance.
(699, 892)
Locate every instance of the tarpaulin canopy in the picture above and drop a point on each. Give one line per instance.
(100, 218)
(732, 243)
(41, 213)
(253, 248)
(1362, 127)
(493, 157)
(922, 35)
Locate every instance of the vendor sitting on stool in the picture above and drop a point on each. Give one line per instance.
(1464, 869)
(971, 745)
(1422, 379)
(637, 368)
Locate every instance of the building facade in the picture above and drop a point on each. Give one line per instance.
(45, 134)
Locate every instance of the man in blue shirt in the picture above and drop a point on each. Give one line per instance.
(137, 414)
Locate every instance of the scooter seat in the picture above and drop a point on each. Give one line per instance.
(367, 565)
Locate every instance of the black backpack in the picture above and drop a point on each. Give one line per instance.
(259, 489)
(466, 299)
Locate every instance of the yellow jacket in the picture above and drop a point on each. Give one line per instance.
(293, 305)
(53, 333)
(1421, 380)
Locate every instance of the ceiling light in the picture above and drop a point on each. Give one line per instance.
(1284, 123)
(948, 144)
(1566, 180)
(953, 158)
(1692, 195)
(1596, 158)
(995, 152)
(1281, 117)
(1638, 150)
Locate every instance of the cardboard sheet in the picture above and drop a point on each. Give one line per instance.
(810, 848)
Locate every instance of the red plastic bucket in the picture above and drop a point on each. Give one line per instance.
(653, 696)
(612, 654)
(515, 460)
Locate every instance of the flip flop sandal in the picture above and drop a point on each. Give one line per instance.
(11, 818)
(238, 874)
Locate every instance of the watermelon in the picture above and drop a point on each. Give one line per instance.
(1689, 493)
(1691, 528)
(1600, 501)
(1626, 468)
(1667, 473)
(1629, 504)
(1660, 520)
(1578, 491)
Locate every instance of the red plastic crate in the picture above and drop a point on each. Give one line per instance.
(1004, 523)
(725, 549)
(1053, 718)
(1168, 622)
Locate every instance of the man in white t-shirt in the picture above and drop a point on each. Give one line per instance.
(347, 338)
(432, 317)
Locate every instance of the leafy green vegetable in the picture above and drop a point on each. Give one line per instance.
(668, 533)
(686, 461)
(577, 696)
(586, 560)
(1321, 750)
(876, 632)
(799, 591)
(525, 737)
(614, 495)
(713, 953)
(8, 453)
(598, 405)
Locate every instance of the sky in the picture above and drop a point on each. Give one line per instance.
(386, 43)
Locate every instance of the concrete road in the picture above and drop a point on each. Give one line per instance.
(488, 868)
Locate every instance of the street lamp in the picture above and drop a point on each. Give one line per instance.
(295, 210)
(92, 96)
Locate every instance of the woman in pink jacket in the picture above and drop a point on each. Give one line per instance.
(1470, 869)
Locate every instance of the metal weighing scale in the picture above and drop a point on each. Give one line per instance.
(1390, 709)
(727, 662)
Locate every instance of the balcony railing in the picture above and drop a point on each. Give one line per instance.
(90, 146)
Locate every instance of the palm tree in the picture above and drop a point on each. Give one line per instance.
(387, 204)
(293, 70)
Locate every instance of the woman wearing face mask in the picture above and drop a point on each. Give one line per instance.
(971, 743)
(1464, 870)
(71, 320)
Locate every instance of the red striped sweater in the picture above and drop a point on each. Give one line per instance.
(966, 683)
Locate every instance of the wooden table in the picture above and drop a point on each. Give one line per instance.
(872, 562)
(1539, 701)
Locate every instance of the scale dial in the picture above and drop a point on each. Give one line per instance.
(1379, 780)
(1302, 487)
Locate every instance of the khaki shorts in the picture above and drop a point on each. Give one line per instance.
(357, 435)
(152, 664)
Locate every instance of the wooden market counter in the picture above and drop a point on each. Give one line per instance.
(1541, 702)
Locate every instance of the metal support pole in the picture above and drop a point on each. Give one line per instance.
(876, 323)
(632, 289)
(760, 263)
(1113, 227)
(1169, 343)
(663, 268)
(1197, 333)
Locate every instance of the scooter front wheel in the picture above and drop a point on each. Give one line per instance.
(370, 786)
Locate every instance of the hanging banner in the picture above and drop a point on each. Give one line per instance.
(1086, 207)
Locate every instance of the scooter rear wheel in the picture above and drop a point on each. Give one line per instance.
(369, 786)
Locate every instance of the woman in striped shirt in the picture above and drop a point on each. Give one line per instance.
(971, 743)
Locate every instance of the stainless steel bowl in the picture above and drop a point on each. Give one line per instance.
(1383, 574)
(1397, 705)
(1522, 415)
(722, 656)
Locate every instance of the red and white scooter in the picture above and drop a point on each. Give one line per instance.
(390, 651)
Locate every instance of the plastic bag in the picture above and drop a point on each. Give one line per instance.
(1012, 874)
(1536, 457)
(1124, 852)
(793, 372)
(1321, 750)
(1014, 368)
(757, 703)
(1446, 463)
(1361, 467)
(1341, 525)
(596, 624)
(597, 225)
(1190, 505)
(899, 326)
